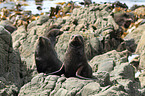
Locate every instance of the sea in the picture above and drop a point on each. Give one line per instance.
(47, 4)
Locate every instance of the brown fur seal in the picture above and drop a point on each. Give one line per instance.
(124, 19)
(52, 35)
(75, 61)
(46, 58)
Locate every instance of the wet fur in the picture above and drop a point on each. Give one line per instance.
(75, 61)
(52, 35)
(46, 58)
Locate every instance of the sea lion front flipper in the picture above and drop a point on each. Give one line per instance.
(58, 72)
(78, 72)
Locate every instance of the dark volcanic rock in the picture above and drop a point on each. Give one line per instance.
(10, 62)
(8, 26)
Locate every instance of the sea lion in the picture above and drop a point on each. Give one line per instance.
(46, 58)
(87, 2)
(75, 61)
(124, 19)
(53, 35)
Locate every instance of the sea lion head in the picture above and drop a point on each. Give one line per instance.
(76, 41)
(44, 45)
(54, 33)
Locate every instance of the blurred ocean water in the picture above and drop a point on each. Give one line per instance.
(46, 4)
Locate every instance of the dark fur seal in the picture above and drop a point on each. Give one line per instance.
(75, 61)
(124, 19)
(46, 58)
(53, 34)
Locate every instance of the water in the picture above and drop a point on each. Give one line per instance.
(46, 4)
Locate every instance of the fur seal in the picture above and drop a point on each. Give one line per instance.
(53, 34)
(124, 19)
(75, 61)
(46, 58)
(87, 2)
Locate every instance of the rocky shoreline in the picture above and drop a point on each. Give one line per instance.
(107, 52)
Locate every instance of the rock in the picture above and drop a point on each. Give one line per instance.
(93, 47)
(8, 26)
(10, 59)
(52, 85)
(106, 65)
(141, 79)
(103, 78)
(113, 57)
(118, 4)
(116, 90)
(59, 85)
(89, 89)
(140, 50)
(42, 19)
(142, 92)
(8, 88)
(139, 11)
(131, 87)
(124, 70)
(46, 84)
(32, 24)
(10, 62)
(135, 34)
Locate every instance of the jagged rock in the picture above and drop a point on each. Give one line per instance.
(103, 78)
(93, 47)
(124, 70)
(46, 84)
(8, 26)
(10, 62)
(10, 59)
(140, 48)
(131, 87)
(89, 89)
(113, 91)
(107, 65)
(52, 84)
(42, 19)
(142, 92)
(32, 24)
(7, 88)
(114, 57)
(141, 78)
(59, 85)
(135, 34)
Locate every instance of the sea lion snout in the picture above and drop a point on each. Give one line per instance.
(76, 40)
(42, 41)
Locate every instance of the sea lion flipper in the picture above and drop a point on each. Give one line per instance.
(58, 72)
(78, 72)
